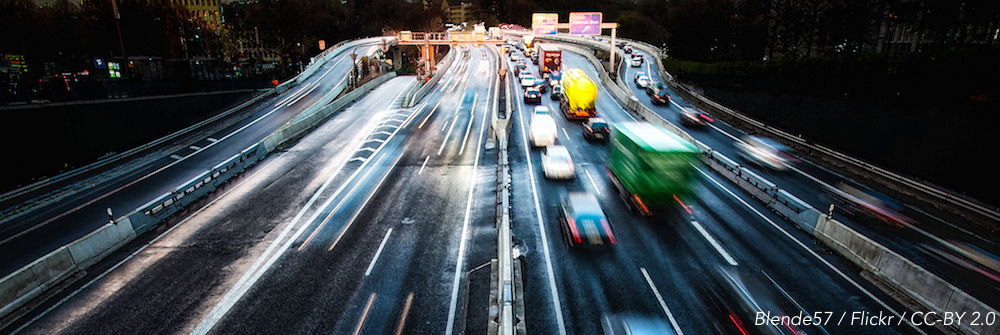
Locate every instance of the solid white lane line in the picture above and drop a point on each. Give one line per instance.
(557, 305)
(282, 102)
(177, 157)
(472, 118)
(195, 148)
(138, 251)
(267, 259)
(213, 140)
(445, 125)
(465, 232)
(711, 240)
(303, 95)
(810, 251)
(663, 304)
(423, 165)
(596, 189)
(378, 253)
(565, 133)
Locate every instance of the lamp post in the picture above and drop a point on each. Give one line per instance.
(121, 42)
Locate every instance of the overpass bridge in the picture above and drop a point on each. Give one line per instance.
(371, 211)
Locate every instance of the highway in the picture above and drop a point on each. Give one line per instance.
(29, 236)
(328, 236)
(674, 253)
(382, 221)
(917, 240)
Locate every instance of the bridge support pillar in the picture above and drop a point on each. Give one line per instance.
(397, 57)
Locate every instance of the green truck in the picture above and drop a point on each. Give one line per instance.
(649, 166)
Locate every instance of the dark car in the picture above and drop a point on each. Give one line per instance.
(654, 86)
(634, 324)
(532, 96)
(695, 118)
(660, 97)
(520, 66)
(595, 129)
(737, 298)
(542, 88)
(627, 48)
(583, 221)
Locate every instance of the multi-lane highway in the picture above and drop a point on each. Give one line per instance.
(24, 238)
(921, 237)
(382, 221)
(370, 223)
(669, 264)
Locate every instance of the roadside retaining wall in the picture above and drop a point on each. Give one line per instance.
(34, 279)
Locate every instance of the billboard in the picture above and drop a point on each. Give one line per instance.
(585, 23)
(544, 23)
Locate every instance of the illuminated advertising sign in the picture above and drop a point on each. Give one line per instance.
(588, 23)
(544, 23)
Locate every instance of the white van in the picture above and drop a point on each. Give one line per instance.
(543, 131)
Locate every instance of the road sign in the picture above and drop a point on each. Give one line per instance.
(585, 23)
(544, 23)
(100, 64)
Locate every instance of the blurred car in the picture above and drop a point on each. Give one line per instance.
(520, 66)
(630, 324)
(627, 48)
(532, 96)
(764, 152)
(636, 61)
(556, 92)
(596, 129)
(522, 73)
(968, 256)
(660, 97)
(642, 81)
(556, 163)
(737, 297)
(542, 88)
(695, 118)
(527, 80)
(654, 86)
(543, 130)
(514, 56)
(583, 221)
(541, 110)
(856, 201)
(637, 75)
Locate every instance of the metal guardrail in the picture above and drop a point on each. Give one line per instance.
(935, 192)
(48, 271)
(929, 290)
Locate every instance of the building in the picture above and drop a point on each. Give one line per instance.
(456, 14)
(207, 10)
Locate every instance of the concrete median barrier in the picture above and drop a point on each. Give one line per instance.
(36, 278)
(95, 246)
(17, 288)
(930, 291)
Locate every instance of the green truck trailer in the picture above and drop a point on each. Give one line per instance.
(649, 166)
